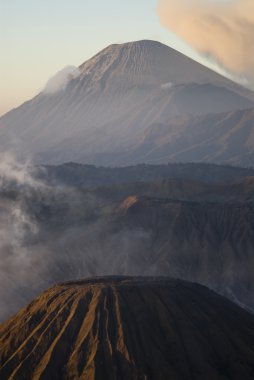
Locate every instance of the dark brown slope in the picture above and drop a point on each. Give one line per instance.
(128, 328)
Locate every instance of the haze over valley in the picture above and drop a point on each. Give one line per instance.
(192, 221)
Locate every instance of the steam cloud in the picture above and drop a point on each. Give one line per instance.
(166, 86)
(222, 30)
(60, 80)
(18, 173)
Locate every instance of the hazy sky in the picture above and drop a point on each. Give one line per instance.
(40, 37)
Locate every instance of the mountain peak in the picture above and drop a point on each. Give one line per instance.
(147, 61)
(142, 44)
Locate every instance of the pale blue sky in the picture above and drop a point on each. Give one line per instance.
(39, 37)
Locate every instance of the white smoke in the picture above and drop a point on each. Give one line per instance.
(16, 172)
(61, 79)
(166, 86)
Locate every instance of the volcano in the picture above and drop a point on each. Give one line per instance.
(104, 112)
(128, 328)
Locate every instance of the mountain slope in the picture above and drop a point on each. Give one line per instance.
(105, 110)
(220, 138)
(128, 328)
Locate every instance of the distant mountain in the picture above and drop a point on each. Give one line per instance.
(106, 113)
(128, 328)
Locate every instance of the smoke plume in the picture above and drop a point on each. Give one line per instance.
(17, 173)
(222, 30)
(61, 79)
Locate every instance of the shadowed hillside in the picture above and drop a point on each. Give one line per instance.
(73, 174)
